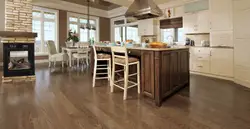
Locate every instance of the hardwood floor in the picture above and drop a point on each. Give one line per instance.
(64, 99)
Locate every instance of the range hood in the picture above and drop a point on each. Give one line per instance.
(143, 9)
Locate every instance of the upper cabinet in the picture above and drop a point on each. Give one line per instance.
(241, 19)
(197, 22)
(148, 27)
(190, 23)
(221, 15)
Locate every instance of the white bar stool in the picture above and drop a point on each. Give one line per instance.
(101, 57)
(120, 57)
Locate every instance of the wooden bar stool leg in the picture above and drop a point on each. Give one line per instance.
(94, 74)
(125, 82)
(138, 78)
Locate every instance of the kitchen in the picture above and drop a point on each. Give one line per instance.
(213, 28)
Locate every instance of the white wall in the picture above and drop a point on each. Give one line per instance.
(2, 15)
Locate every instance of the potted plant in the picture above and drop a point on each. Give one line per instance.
(73, 37)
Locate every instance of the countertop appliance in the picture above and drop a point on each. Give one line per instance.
(205, 43)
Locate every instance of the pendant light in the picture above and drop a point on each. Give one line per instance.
(88, 26)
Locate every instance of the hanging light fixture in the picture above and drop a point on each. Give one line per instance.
(88, 26)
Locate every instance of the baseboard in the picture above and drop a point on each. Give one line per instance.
(214, 76)
(243, 83)
(41, 61)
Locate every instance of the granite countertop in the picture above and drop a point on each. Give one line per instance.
(144, 47)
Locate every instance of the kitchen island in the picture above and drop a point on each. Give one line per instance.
(164, 71)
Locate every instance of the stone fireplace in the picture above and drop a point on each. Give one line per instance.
(18, 53)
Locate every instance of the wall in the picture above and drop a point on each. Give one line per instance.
(2, 25)
(104, 24)
(18, 15)
(62, 27)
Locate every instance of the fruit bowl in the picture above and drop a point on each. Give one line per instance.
(157, 45)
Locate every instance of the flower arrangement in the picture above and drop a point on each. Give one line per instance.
(73, 36)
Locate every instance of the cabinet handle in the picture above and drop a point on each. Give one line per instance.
(200, 57)
(200, 66)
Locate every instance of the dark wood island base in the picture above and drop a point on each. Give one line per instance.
(164, 71)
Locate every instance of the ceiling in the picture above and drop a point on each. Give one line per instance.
(99, 4)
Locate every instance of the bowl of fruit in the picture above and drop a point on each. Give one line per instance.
(158, 45)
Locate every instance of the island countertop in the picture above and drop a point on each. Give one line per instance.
(143, 47)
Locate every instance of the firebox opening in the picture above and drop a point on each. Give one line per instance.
(18, 60)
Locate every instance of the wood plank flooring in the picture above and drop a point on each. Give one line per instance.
(64, 99)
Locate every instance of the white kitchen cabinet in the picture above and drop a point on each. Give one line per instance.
(197, 22)
(222, 62)
(147, 27)
(221, 15)
(190, 23)
(200, 59)
(203, 22)
(221, 38)
(241, 18)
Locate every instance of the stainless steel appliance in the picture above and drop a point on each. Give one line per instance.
(143, 9)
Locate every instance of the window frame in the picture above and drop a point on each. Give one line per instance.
(83, 16)
(42, 19)
(126, 24)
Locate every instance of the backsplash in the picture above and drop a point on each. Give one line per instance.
(198, 38)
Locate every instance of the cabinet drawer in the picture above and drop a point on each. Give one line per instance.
(196, 50)
(201, 57)
(201, 66)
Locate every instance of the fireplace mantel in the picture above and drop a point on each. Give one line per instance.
(11, 34)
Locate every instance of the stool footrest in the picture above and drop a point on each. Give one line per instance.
(101, 73)
(101, 77)
(101, 68)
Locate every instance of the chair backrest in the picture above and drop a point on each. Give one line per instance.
(83, 51)
(51, 47)
(83, 44)
(119, 53)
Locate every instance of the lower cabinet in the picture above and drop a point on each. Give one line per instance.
(215, 61)
(222, 62)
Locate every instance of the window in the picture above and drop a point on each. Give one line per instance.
(76, 22)
(125, 30)
(172, 35)
(44, 23)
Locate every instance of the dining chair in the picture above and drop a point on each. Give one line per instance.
(82, 54)
(55, 56)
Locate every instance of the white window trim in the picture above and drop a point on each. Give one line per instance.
(96, 19)
(112, 25)
(57, 27)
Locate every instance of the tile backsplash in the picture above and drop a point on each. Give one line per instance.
(198, 38)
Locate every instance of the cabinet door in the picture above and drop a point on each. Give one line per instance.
(241, 18)
(242, 60)
(203, 22)
(221, 15)
(221, 38)
(190, 23)
(222, 62)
